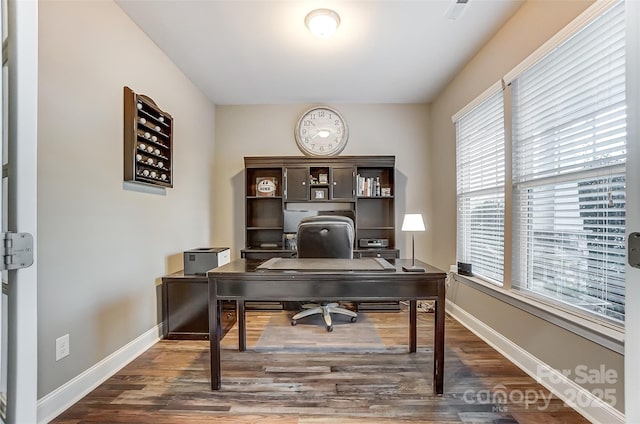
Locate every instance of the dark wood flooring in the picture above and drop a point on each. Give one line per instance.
(170, 383)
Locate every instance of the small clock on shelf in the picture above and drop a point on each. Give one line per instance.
(321, 131)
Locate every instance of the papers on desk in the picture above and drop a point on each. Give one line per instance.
(326, 264)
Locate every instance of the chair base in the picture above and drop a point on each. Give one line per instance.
(326, 311)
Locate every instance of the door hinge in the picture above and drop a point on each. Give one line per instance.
(17, 251)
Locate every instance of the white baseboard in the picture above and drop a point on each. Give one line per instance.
(56, 402)
(590, 406)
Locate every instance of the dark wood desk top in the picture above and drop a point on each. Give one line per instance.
(249, 266)
(240, 279)
(182, 276)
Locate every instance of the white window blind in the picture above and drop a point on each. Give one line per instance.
(569, 154)
(480, 165)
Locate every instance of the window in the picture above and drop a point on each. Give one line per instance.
(480, 187)
(566, 198)
(569, 151)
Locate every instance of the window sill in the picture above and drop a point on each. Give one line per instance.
(603, 333)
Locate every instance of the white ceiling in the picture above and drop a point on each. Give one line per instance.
(260, 52)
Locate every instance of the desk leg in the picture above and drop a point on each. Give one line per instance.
(242, 325)
(413, 325)
(438, 342)
(215, 311)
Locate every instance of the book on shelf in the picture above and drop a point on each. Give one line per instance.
(368, 186)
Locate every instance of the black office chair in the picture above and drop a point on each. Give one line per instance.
(325, 236)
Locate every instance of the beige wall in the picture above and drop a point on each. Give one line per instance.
(534, 23)
(102, 247)
(399, 130)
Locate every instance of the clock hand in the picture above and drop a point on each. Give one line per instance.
(322, 134)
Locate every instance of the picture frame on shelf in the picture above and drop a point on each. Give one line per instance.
(319, 194)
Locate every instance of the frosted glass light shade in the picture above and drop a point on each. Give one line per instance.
(413, 222)
(322, 22)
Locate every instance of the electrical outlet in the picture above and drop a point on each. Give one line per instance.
(62, 347)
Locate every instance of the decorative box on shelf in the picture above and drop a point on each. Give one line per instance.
(148, 141)
(266, 186)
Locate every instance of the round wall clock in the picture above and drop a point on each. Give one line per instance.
(321, 131)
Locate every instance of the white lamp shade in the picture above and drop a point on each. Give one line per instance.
(413, 222)
(322, 22)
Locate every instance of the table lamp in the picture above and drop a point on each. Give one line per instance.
(413, 222)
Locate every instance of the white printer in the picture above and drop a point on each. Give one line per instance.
(202, 259)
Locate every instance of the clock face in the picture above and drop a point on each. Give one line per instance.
(321, 131)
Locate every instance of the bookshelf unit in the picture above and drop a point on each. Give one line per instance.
(322, 184)
(319, 184)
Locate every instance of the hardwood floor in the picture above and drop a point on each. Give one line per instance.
(170, 382)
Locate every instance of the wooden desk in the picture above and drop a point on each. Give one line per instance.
(240, 281)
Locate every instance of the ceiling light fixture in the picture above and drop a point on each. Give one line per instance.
(322, 22)
(455, 9)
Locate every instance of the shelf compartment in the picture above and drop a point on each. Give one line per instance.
(383, 176)
(376, 233)
(255, 175)
(319, 176)
(264, 239)
(264, 212)
(375, 212)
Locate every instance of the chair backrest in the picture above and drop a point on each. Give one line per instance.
(325, 236)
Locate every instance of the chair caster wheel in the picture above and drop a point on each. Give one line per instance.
(353, 319)
(294, 323)
(330, 328)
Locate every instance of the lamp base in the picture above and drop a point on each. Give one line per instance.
(413, 269)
